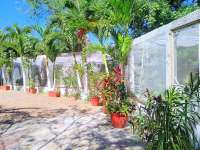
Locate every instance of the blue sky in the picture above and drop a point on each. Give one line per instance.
(16, 11)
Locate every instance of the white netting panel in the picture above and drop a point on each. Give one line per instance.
(150, 64)
(187, 53)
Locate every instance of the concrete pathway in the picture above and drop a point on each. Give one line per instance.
(74, 126)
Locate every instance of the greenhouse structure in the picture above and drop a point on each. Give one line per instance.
(42, 75)
(165, 56)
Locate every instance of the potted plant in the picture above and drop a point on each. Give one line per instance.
(94, 77)
(32, 88)
(55, 93)
(7, 87)
(119, 113)
(95, 101)
(117, 102)
(57, 74)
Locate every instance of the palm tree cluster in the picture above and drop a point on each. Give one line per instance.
(66, 31)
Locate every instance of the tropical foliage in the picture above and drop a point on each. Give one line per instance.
(168, 121)
(144, 17)
(114, 92)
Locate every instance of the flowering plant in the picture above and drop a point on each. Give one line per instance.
(80, 33)
(114, 90)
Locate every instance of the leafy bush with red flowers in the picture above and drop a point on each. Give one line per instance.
(114, 90)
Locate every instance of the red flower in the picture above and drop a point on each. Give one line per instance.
(80, 33)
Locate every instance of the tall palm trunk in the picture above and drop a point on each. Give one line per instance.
(77, 74)
(11, 80)
(23, 75)
(29, 78)
(105, 63)
(48, 73)
(11, 76)
(3, 75)
(1, 79)
(54, 77)
(85, 79)
(85, 82)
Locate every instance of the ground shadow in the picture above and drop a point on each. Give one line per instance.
(12, 116)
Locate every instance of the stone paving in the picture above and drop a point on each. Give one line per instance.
(61, 129)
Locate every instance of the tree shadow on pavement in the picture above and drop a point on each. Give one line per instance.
(12, 116)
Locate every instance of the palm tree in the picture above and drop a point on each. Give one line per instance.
(16, 39)
(2, 58)
(91, 48)
(31, 57)
(51, 45)
(73, 24)
(113, 20)
(104, 18)
(7, 56)
(60, 21)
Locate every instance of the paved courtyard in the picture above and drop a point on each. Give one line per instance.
(37, 122)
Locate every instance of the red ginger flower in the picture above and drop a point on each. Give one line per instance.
(80, 33)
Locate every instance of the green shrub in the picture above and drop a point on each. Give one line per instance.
(32, 83)
(167, 122)
(70, 81)
(94, 80)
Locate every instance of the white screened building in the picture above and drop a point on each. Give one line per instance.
(165, 56)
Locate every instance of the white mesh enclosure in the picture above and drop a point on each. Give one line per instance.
(165, 56)
(150, 64)
(187, 52)
(64, 67)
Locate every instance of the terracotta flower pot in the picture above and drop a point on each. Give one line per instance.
(6, 87)
(95, 101)
(119, 120)
(32, 90)
(54, 94)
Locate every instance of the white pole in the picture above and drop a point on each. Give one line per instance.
(48, 74)
(23, 75)
(3, 74)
